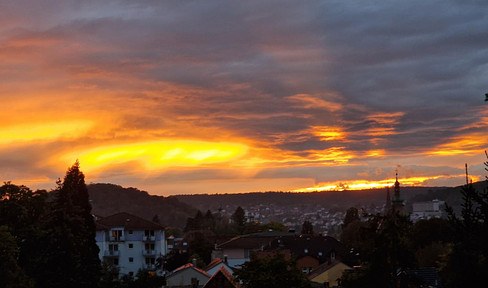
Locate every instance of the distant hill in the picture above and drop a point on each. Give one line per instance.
(331, 199)
(108, 199)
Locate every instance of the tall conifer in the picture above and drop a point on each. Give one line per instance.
(73, 261)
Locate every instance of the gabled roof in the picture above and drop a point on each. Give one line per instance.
(214, 263)
(127, 221)
(323, 268)
(221, 279)
(186, 267)
(319, 247)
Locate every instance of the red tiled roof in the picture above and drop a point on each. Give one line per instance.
(189, 266)
(222, 272)
(214, 263)
(127, 221)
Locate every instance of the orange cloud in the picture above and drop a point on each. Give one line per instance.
(326, 133)
(44, 131)
(154, 155)
(465, 145)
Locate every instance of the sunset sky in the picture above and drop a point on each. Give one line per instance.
(178, 97)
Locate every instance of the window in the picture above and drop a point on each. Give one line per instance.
(332, 255)
(131, 259)
(131, 245)
(150, 261)
(149, 246)
(117, 235)
(130, 232)
(247, 253)
(116, 261)
(149, 233)
(113, 247)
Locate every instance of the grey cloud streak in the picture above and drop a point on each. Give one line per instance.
(241, 62)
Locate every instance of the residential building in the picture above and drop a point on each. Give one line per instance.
(130, 242)
(187, 275)
(427, 210)
(217, 264)
(238, 250)
(222, 278)
(328, 273)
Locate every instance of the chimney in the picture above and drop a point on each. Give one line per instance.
(225, 260)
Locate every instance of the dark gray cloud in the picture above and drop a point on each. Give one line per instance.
(238, 66)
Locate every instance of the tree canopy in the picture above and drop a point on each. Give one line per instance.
(271, 272)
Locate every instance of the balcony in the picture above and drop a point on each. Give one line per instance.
(149, 266)
(111, 253)
(116, 239)
(149, 252)
(149, 238)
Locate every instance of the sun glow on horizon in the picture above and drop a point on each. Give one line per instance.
(365, 184)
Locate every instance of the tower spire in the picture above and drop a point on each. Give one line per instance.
(397, 202)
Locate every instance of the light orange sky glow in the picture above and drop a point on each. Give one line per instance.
(245, 96)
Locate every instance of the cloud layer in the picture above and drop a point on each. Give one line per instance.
(318, 92)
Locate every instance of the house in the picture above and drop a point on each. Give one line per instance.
(215, 266)
(307, 264)
(187, 275)
(427, 276)
(222, 279)
(130, 242)
(322, 248)
(328, 273)
(237, 250)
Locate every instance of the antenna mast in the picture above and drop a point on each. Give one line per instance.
(467, 177)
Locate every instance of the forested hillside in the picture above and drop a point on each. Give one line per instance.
(338, 199)
(108, 199)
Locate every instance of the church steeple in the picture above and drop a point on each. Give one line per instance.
(397, 186)
(397, 202)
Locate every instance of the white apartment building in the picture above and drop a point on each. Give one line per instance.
(130, 242)
(427, 210)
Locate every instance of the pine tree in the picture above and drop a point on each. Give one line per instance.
(307, 228)
(73, 261)
(239, 219)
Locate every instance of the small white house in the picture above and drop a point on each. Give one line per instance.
(130, 242)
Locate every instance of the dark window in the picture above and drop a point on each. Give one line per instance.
(131, 245)
(131, 259)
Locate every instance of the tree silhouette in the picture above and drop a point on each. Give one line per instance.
(239, 219)
(468, 261)
(307, 228)
(352, 215)
(73, 260)
(270, 272)
(11, 274)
